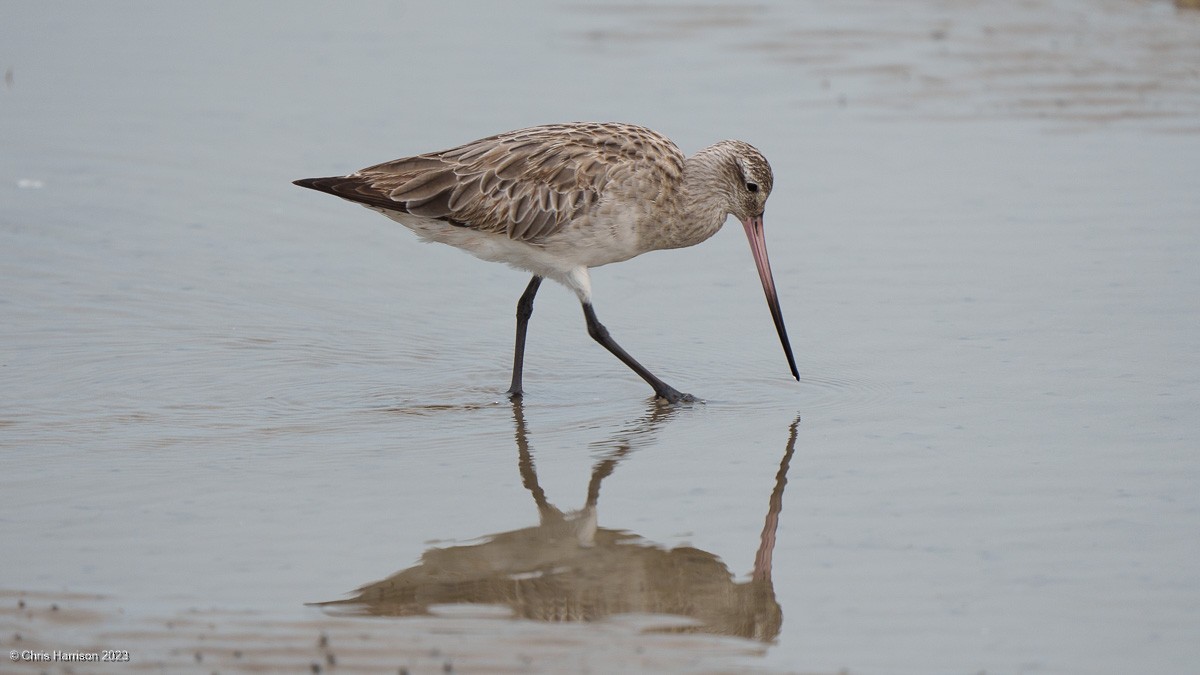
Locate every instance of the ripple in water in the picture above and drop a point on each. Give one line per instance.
(841, 389)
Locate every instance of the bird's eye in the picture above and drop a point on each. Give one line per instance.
(753, 187)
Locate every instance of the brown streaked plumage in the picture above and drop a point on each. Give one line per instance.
(558, 199)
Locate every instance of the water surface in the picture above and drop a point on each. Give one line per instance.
(223, 394)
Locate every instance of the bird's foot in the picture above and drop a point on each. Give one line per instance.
(514, 394)
(670, 395)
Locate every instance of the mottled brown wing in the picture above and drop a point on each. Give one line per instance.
(526, 184)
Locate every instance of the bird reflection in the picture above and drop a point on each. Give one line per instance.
(566, 568)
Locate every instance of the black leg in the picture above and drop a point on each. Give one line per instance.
(600, 334)
(524, 311)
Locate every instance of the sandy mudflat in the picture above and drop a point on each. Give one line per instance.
(464, 641)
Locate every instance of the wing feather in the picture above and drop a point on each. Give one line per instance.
(526, 184)
(425, 185)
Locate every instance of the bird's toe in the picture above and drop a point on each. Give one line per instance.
(672, 396)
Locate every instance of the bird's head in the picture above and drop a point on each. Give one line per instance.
(751, 179)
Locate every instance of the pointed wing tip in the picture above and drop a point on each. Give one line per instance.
(338, 186)
(310, 183)
(357, 189)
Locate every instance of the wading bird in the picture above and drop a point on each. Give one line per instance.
(557, 199)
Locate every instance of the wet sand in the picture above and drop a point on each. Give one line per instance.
(57, 633)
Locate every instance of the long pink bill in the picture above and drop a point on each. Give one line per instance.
(758, 247)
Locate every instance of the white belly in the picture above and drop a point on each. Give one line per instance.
(579, 245)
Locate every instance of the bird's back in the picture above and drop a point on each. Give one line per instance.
(528, 184)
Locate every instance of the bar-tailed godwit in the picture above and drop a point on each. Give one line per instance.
(557, 199)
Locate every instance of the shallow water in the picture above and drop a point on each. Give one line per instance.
(220, 391)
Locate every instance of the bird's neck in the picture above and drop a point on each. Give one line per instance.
(701, 207)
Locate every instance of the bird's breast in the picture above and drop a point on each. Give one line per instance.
(594, 241)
